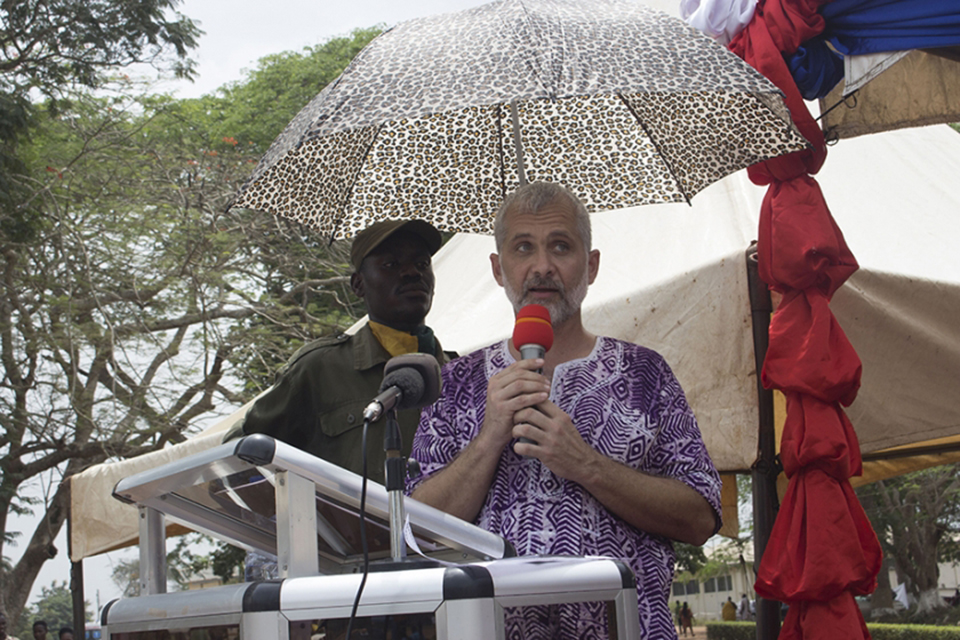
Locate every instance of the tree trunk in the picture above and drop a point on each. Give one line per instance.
(882, 597)
(930, 600)
(40, 549)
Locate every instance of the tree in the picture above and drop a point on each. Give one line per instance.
(258, 109)
(917, 520)
(53, 46)
(227, 563)
(54, 606)
(119, 321)
(182, 565)
(137, 306)
(690, 558)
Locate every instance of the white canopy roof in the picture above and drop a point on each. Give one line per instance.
(673, 278)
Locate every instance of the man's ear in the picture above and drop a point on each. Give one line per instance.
(497, 271)
(356, 283)
(593, 265)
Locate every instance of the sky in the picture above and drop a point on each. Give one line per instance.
(240, 32)
(237, 34)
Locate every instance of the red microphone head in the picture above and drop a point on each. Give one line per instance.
(533, 327)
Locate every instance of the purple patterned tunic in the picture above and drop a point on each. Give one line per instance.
(628, 405)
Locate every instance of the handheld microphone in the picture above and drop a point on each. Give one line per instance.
(533, 336)
(410, 381)
(533, 333)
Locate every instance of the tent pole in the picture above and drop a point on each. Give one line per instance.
(765, 469)
(76, 578)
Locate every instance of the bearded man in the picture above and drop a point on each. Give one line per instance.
(612, 463)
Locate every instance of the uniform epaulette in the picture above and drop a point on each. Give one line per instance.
(310, 347)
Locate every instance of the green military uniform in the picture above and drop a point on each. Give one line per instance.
(318, 400)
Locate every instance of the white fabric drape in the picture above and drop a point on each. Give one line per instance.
(719, 19)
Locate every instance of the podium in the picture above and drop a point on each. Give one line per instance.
(264, 495)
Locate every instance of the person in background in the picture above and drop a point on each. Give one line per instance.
(317, 402)
(40, 630)
(3, 627)
(729, 610)
(66, 633)
(686, 620)
(615, 464)
(743, 609)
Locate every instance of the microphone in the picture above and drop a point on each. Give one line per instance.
(533, 333)
(533, 336)
(410, 381)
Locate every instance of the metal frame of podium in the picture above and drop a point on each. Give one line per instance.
(262, 494)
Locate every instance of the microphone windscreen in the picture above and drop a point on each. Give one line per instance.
(426, 366)
(410, 383)
(533, 327)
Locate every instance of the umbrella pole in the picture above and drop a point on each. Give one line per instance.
(765, 470)
(517, 146)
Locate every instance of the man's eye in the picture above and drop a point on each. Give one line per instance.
(523, 248)
(561, 247)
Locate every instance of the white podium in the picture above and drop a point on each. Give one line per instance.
(258, 493)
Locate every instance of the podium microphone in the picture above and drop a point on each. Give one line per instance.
(410, 381)
(533, 335)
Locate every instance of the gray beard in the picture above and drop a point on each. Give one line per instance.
(560, 310)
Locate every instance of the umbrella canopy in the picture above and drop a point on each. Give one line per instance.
(439, 118)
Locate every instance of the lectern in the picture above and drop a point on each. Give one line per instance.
(261, 494)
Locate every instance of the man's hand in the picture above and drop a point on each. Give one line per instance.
(658, 505)
(461, 488)
(516, 388)
(556, 441)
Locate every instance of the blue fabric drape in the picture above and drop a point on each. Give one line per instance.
(816, 68)
(871, 26)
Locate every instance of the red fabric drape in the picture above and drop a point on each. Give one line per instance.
(822, 550)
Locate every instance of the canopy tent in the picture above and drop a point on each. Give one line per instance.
(100, 523)
(673, 278)
(919, 88)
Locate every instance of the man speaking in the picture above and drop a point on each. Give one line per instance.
(612, 461)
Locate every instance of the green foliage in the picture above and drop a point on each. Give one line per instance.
(53, 44)
(183, 565)
(54, 606)
(255, 111)
(132, 304)
(730, 630)
(17, 213)
(690, 558)
(227, 563)
(126, 575)
(912, 632)
(748, 631)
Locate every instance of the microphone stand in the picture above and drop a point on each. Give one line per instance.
(395, 472)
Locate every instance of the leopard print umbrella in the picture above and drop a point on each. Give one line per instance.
(622, 104)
